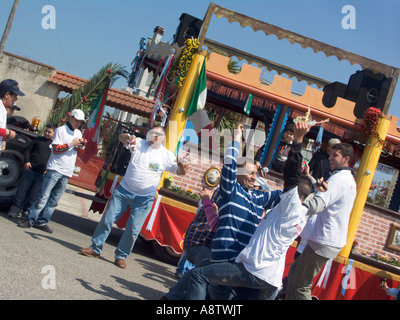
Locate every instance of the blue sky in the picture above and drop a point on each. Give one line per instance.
(91, 33)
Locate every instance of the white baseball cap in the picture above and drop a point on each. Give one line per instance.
(78, 115)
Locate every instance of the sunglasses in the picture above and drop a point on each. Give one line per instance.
(156, 133)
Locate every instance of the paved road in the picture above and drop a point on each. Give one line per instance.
(32, 261)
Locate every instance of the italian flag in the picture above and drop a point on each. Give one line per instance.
(200, 92)
(92, 131)
(247, 106)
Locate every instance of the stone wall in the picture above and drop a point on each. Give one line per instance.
(40, 95)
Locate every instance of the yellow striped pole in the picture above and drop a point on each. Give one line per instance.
(178, 118)
(364, 176)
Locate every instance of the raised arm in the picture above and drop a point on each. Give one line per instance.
(292, 169)
(229, 169)
(210, 209)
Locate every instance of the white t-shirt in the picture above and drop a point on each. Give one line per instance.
(3, 119)
(64, 162)
(146, 167)
(265, 255)
(331, 224)
(305, 234)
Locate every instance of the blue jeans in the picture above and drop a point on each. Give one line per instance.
(230, 274)
(28, 189)
(197, 255)
(54, 185)
(120, 201)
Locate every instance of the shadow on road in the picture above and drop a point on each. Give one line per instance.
(87, 227)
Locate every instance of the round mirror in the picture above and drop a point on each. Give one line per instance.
(212, 177)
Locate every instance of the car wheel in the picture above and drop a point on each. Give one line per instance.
(11, 166)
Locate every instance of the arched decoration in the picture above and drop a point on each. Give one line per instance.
(292, 37)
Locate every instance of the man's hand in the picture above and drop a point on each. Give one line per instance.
(82, 142)
(79, 142)
(305, 169)
(124, 137)
(181, 167)
(238, 133)
(206, 193)
(10, 135)
(27, 166)
(76, 142)
(321, 185)
(300, 130)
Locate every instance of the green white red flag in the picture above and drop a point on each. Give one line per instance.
(92, 131)
(200, 92)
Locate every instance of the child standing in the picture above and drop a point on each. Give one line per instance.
(283, 149)
(36, 155)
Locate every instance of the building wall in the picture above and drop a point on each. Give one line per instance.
(373, 231)
(200, 162)
(40, 95)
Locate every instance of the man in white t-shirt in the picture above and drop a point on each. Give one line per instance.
(149, 159)
(329, 233)
(67, 140)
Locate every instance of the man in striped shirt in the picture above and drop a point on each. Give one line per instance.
(241, 207)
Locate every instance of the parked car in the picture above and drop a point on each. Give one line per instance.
(12, 159)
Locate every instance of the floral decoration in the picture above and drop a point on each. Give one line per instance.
(182, 64)
(167, 184)
(391, 261)
(372, 118)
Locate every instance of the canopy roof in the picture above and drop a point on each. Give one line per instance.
(118, 99)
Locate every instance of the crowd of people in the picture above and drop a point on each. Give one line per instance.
(238, 239)
(252, 230)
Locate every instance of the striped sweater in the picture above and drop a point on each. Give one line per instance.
(239, 209)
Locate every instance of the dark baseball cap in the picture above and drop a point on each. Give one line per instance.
(11, 85)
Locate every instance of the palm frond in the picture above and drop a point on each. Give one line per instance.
(84, 97)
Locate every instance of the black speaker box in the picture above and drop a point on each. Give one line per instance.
(189, 26)
(367, 89)
(331, 92)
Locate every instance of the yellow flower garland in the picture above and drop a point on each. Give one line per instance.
(182, 64)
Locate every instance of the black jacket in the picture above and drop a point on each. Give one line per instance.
(38, 153)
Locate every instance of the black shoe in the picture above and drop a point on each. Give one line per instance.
(43, 227)
(24, 224)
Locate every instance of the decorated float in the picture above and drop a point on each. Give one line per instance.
(371, 252)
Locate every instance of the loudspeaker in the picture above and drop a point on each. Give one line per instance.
(189, 26)
(367, 89)
(331, 92)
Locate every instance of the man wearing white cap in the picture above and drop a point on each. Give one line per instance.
(66, 143)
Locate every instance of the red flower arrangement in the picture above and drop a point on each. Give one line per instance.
(371, 120)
